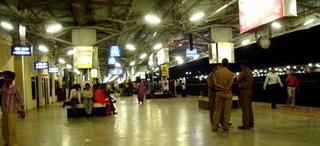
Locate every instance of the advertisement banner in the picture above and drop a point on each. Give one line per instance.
(254, 13)
(165, 70)
(83, 56)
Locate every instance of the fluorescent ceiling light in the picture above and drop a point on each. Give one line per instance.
(132, 63)
(143, 55)
(61, 61)
(6, 25)
(276, 25)
(157, 46)
(54, 28)
(69, 66)
(152, 19)
(76, 71)
(154, 34)
(70, 52)
(43, 48)
(180, 45)
(118, 65)
(308, 22)
(245, 42)
(130, 47)
(197, 16)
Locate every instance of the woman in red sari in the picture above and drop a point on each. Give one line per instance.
(100, 97)
(141, 92)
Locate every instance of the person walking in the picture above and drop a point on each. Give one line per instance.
(271, 85)
(12, 106)
(245, 85)
(223, 80)
(87, 95)
(292, 87)
(141, 92)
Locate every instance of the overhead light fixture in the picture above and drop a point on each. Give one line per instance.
(69, 66)
(157, 46)
(76, 71)
(180, 45)
(43, 48)
(6, 25)
(54, 28)
(308, 22)
(70, 52)
(130, 47)
(245, 42)
(154, 34)
(132, 63)
(118, 64)
(62, 61)
(143, 55)
(179, 59)
(276, 25)
(152, 19)
(197, 16)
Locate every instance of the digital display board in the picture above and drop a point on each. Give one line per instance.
(41, 65)
(112, 61)
(115, 51)
(116, 71)
(18, 50)
(191, 53)
(53, 69)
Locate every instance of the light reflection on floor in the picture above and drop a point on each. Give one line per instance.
(168, 122)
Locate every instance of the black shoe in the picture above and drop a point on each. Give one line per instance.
(243, 127)
(225, 129)
(251, 125)
(230, 124)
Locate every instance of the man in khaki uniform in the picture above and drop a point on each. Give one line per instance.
(223, 80)
(245, 84)
(211, 93)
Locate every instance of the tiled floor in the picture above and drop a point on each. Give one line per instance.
(169, 122)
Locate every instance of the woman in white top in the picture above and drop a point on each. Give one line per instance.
(272, 84)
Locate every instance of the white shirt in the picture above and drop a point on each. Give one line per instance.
(272, 78)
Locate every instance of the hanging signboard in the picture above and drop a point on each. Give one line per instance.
(83, 56)
(115, 51)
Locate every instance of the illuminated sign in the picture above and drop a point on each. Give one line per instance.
(254, 13)
(83, 56)
(163, 56)
(112, 61)
(53, 69)
(94, 73)
(41, 65)
(191, 53)
(21, 50)
(220, 50)
(115, 51)
(116, 71)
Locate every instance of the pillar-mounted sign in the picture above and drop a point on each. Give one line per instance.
(165, 70)
(83, 56)
(220, 50)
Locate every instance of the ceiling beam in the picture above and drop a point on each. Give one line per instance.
(113, 35)
(109, 3)
(52, 38)
(36, 4)
(215, 12)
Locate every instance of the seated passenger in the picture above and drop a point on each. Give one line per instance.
(74, 97)
(87, 101)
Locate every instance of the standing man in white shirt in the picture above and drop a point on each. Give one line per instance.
(271, 84)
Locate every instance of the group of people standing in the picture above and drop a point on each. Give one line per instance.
(220, 82)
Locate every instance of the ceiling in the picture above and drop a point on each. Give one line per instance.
(122, 22)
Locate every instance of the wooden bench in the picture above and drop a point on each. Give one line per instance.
(203, 102)
(98, 109)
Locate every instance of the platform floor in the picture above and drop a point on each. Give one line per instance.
(168, 122)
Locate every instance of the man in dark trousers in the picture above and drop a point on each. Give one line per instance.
(245, 85)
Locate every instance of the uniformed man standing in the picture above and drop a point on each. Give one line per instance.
(245, 85)
(223, 80)
(211, 93)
